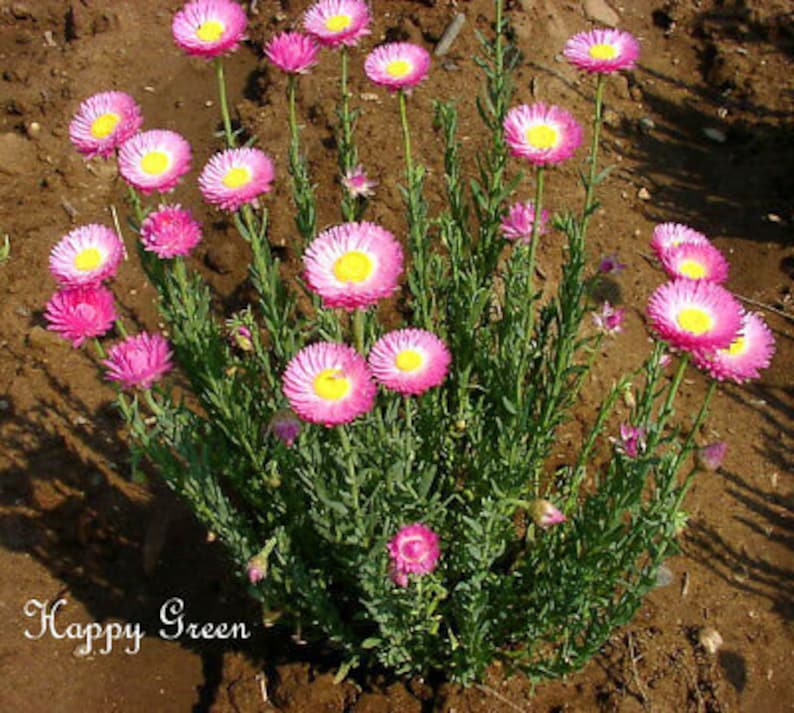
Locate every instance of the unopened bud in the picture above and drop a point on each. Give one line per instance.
(544, 514)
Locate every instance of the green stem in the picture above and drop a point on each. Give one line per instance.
(409, 164)
(353, 477)
(358, 331)
(227, 121)
(667, 407)
(533, 246)
(347, 157)
(591, 180)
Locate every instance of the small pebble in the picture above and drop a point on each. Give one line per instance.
(710, 639)
(4, 405)
(647, 124)
(644, 194)
(716, 135)
(664, 576)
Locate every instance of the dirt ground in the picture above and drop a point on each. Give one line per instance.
(702, 132)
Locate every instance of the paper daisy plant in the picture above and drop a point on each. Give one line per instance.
(86, 255)
(409, 361)
(695, 261)
(236, 177)
(518, 223)
(397, 65)
(670, 235)
(79, 313)
(209, 28)
(542, 134)
(602, 50)
(139, 360)
(103, 122)
(292, 52)
(337, 22)
(353, 265)
(170, 231)
(154, 160)
(329, 383)
(695, 315)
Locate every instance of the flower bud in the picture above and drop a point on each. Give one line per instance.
(710, 457)
(285, 426)
(544, 514)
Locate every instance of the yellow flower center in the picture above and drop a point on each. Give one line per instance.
(88, 259)
(210, 31)
(695, 320)
(103, 126)
(354, 266)
(337, 23)
(237, 177)
(542, 136)
(692, 269)
(331, 384)
(408, 360)
(155, 162)
(398, 68)
(603, 52)
(737, 347)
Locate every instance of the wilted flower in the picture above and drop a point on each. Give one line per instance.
(632, 440)
(285, 426)
(544, 514)
(610, 265)
(710, 457)
(357, 183)
(609, 319)
(519, 221)
(239, 334)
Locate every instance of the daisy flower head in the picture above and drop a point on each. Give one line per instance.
(397, 65)
(542, 134)
(694, 261)
(329, 383)
(413, 550)
(170, 231)
(154, 160)
(209, 28)
(139, 360)
(337, 22)
(670, 235)
(357, 183)
(86, 255)
(517, 224)
(235, 177)
(353, 265)
(292, 52)
(79, 313)
(410, 361)
(742, 359)
(695, 315)
(103, 122)
(602, 50)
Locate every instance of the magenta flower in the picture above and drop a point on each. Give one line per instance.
(209, 28)
(139, 360)
(254, 572)
(410, 361)
(544, 514)
(668, 235)
(632, 440)
(87, 255)
(292, 52)
(103, 122)
(285, 426)
(693, 261)
(154, 160)
(695, 315)
(542, 134)
(397, 65)
(337, 22)
(742, 359)
(235, 177)
(602, 51)
(517, 224)
(610, 265)
(78, 313)
(357, 184)
(170, 231)
(329, 383)
(609, 320)
(413, 550)
(353, 265)
(710, 457)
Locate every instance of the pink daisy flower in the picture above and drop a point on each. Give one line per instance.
(695, 315)
(103, 122)
(542, 134)
(337, 22)
(409, 361)
(669, 235)
(695, 262)
(609, 320)
(78, 313)
(603, 51)
(292, 52)
(209, 28)
(517, 224)
(139, 360)
(170, 231)
(86, 255)
(357, 183)
(353, 265)
(397, 65)
(744, 356)
(544, 514)
(235, 177)
(329, 383)
(413, 550)
(154, 160)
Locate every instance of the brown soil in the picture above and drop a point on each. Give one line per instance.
(73, 525)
